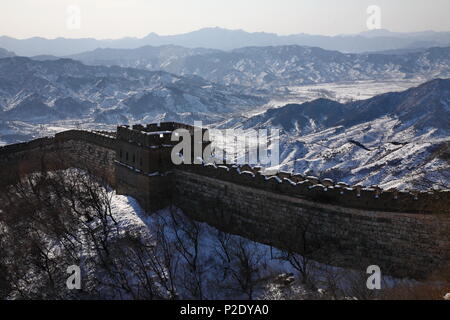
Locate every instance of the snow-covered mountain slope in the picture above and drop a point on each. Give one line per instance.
(280, 66)
(147, 57)
(393, 140)
(59, 89)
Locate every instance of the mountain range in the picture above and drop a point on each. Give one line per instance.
(278, 66)
(393, 140)
(224, 39)
(49, 90)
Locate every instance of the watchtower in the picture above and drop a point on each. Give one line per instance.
(143, 161)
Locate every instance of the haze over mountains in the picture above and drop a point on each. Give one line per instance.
(224, 39)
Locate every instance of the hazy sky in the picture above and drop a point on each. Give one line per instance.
(137, 18)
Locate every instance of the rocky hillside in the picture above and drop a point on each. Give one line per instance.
(47, 90)
(394, 139)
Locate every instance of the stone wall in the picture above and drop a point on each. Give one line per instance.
(328, 192)
(402, 244)
(89, 151)
(405, 233)
(153, 191)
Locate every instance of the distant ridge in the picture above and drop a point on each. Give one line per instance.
(5, 53)
(224, 39)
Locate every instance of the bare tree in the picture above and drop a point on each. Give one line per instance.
(164, 262)
(243, 264)
(42, 215)
(186, 235)
(301, 248)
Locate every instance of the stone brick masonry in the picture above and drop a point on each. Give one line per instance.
(402, 244)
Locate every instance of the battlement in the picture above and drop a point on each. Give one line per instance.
(328, 192)
(102, 138)
(20, 147)
(93, 151)
(154, 134)
(147, 149)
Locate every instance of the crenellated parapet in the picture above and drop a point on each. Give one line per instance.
(328, 192)
(93, 151)
(20, 147)
(104, 139)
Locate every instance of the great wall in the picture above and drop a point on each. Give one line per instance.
(407, 234)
